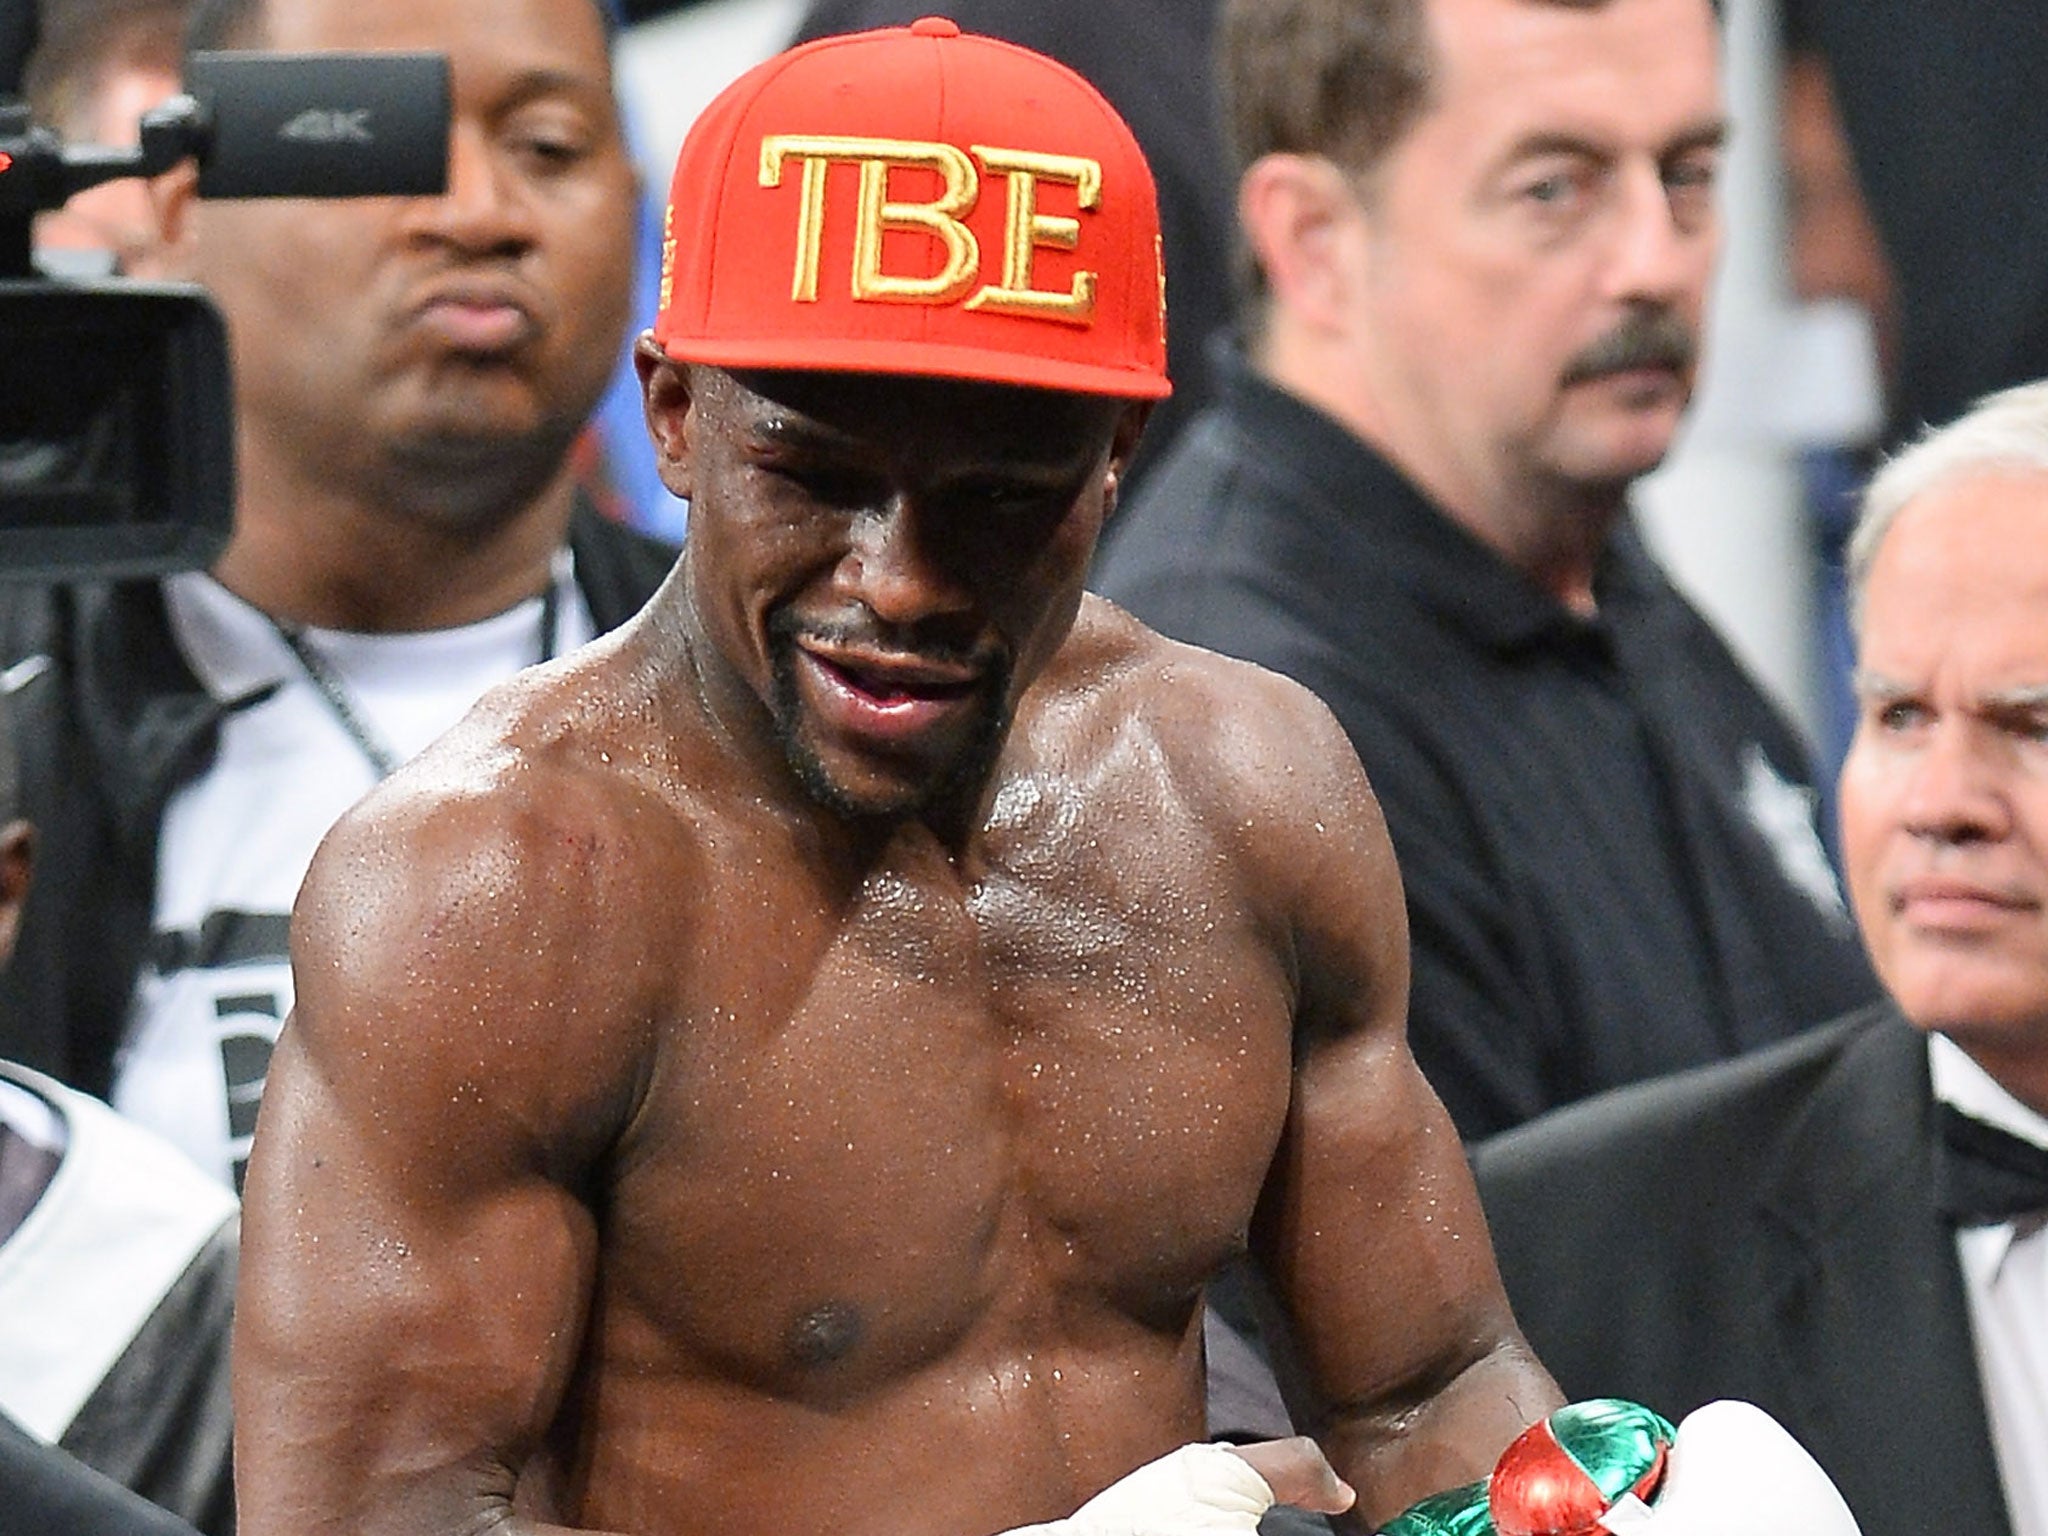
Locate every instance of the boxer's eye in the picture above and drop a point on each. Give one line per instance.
(1003, 499)
(828, 485)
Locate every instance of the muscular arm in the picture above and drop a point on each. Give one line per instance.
(1369, 1228)
(418, 1256)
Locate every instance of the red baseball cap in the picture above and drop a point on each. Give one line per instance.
(917, 200)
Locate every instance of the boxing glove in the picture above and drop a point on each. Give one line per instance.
(1557, 1479)
(1610, 1468)
(1735, 1471)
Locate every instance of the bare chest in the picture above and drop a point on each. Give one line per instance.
(930, 1110)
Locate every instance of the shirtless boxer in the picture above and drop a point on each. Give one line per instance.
(790, 1067)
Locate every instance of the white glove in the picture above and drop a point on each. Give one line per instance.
(1196, 1488)
(1736, 1471)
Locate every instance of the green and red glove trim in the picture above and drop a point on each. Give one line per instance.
(1557, 1479)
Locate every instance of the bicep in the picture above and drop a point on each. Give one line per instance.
(1420, 1373)
(417, 1262)
(1366, 1214)
(1373, 1235)
(403, 1332)
(1370, 1227)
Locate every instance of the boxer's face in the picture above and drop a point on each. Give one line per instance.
(1945, 790)
(888, 562)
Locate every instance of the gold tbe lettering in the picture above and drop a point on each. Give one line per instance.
(810, 207)
(875, 214)
(1025, 229)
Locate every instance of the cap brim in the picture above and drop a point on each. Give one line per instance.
(924, 359)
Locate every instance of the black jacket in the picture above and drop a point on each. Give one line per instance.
(115, 724)
(51, 1494)
(1764, 1229)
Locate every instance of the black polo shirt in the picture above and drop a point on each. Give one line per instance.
(1605, 830)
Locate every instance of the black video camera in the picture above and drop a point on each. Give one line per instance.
(116, 406)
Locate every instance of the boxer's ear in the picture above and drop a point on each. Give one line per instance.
(1123, 446)
(667, 395)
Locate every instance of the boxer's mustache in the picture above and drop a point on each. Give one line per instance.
(1646, 338)
(908, 646)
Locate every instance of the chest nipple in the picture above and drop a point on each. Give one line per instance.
(825, 1335)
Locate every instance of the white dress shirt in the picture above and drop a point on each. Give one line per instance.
(2005, 1273)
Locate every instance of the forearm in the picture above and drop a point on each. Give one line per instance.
(1401, 1451)
(275, 1518)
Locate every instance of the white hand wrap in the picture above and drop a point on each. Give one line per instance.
(1196, 1488)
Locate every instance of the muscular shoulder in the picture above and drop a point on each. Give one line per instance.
(490, 898)
(1243, 743)
(522, 796)
(1201, 748)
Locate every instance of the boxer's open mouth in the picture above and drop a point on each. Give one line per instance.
(887, 685)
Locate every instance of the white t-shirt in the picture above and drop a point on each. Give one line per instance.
(236, 842)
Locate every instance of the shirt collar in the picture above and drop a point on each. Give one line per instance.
(1443, 565)
(1958, 1080)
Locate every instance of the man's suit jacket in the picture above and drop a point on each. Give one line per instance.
(50, 1494)
(1764, 1229)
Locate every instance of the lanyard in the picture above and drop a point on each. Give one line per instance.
(342, 704)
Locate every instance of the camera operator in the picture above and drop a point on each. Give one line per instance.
(410, 375)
